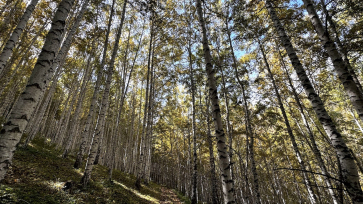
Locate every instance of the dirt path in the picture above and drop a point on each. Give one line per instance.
(169, 196)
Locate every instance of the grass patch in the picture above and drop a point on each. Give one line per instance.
(39, 172)
(182, 198)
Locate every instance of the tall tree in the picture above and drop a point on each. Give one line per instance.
(340, 67)
(10, 44)
(307, 179)
(349, 168)
(99, 131)
(224, 162)
(11, 133)
(85, 133)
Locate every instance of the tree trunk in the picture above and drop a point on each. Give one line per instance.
(34, 91)
(249, 133)
(343, 51)
(211, 158)
(307, 180)
(341, 68)
(85, 133)
(192, 90)
(349, 168)
(140, 170)
(75, 122)
(224, 162)
(10, 44)
(314, 146)
(104, 107)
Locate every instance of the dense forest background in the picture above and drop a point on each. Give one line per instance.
(231, 101)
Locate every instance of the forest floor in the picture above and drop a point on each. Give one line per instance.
(39, 173)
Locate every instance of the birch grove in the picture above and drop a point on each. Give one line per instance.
(251, 102)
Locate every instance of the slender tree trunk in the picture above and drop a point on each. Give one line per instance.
(307, 180)
(224, 162)
(104, 107)
(250, 151)
(61, 136)
(85, 133)
(140, 173)
(211, 159)
(228, 123)
(5, 76)
(341, 47)
(340, 67)
(314, 146)
(76, 120)
(195, 166)
(10, 44)
(34, 91)
(349, 168)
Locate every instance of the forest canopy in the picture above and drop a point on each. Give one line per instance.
(225, 101)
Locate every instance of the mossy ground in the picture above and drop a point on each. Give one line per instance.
(39, 172)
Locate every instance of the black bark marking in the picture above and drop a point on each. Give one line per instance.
(35, 85)
(24, 117)
(15, 129)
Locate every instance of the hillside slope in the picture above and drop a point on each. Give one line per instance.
(38, 175)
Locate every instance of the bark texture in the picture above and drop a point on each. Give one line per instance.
(104, 107)
(340, 67)
(349, 168)
(306, 178)
(224, 162)
(10, 44)
(85, 133)
(34, 91)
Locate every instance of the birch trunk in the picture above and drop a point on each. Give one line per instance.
(211, 159)
(5, 76)
(76, 120)
(191, 74)
(307, 180)
(224, 162)
(340, 67)
(249, 132)
(349, 168)
(64, 125)
(140, 173)
(10, 44)
(104, 107)
(85, 133)
(34, 91)
(341, 48)
(314, 146)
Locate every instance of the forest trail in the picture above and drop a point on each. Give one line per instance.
(169, 196)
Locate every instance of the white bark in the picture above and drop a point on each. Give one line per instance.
(104, 106)
(341, 68)
(10, 44)
(224, 162)
(34, 91)
(85, 133)
(349, 168)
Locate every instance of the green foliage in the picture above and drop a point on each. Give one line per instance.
(183, 198)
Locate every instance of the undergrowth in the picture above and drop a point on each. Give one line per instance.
(38, 174)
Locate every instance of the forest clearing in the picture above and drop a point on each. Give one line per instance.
(181, 101)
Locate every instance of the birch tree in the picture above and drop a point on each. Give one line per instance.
(224, 163)
(349, 168)
(34, 91)
(104, 107)
(10, 44)
(340, 67)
